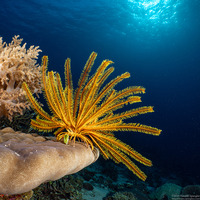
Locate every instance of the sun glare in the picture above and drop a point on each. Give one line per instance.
(156, 11)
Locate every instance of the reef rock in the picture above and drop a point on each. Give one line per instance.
(168, 190)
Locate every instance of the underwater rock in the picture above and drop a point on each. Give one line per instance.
(168, 190)
(122, 196)
(27, 160)
(191, 190)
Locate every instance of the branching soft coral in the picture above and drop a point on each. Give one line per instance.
(17, 64)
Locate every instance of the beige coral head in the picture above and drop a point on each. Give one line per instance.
(27, 160)
(17, 65)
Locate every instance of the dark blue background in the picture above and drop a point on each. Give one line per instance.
(157, 41)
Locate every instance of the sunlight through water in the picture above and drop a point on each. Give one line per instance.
(153, 17)
(158, 11)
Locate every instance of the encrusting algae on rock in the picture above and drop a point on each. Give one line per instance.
(23, 196)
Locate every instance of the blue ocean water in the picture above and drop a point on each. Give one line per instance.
(157, 41)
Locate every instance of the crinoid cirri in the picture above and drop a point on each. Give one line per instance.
(89, 113)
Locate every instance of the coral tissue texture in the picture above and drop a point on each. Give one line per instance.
(17, 65)
(27, 160)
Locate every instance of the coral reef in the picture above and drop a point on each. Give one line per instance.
(17, 64)
(28, 160)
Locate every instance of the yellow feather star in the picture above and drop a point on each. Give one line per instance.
(87, 113)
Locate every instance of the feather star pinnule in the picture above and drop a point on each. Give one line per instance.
(87, 113)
